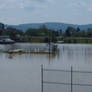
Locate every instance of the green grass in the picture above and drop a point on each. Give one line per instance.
(66, 40)
(78, 40)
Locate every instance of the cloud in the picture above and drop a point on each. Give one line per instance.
(22, 4)
(77, 4)
(90, 9)
(80, 5)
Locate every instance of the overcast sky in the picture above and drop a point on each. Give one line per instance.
(37, 11)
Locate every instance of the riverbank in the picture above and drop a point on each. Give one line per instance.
(78, 40)
(64, 40)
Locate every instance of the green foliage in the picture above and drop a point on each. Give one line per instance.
(70, 32)
(12, 33)
(89, 32)
(34, 32)
(43, 34)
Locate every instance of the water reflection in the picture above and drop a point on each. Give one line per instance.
(48, 56)
(10, 56)
(67, 53)
(81, 53)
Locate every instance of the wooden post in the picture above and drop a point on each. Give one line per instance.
(41, 78)
(49, 48)
(71, 79)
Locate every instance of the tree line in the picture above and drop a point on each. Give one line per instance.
(72, 32)
(43, 31)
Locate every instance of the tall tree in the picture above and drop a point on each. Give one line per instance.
(44, 29)
(68, 32)
(89, 32)
(78, 29)
(1, 28)
(60, 32)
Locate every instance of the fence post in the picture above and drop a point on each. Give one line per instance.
(41, 78)
(49, 48)
(71, 79)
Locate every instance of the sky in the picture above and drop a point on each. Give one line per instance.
(38, 11)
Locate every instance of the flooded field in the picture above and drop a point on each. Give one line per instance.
(21, 72)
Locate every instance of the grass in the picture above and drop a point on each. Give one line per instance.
(66, 40)
(77, 40)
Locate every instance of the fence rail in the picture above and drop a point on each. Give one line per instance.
(66, 83)
(53, 70)
(59, 83)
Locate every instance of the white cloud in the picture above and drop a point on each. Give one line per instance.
(7, 4)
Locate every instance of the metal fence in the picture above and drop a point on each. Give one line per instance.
(62, 83)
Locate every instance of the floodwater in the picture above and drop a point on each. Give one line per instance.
(22, 72)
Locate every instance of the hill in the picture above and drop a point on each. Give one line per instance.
(50, 25)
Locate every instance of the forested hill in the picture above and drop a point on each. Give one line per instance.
(50, 25)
